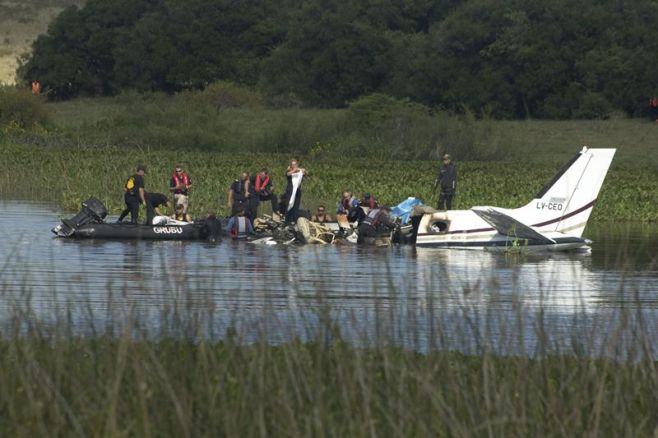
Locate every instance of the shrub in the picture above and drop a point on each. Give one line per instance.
(223, 94)
(593, 106)
(19, 107)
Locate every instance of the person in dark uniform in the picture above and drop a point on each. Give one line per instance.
(212, 227)
(238, 194)
(253, 201)
(134, 194)
(377, 223)
(446, 180)
(153, 203)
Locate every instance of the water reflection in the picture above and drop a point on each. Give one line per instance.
(414, 296)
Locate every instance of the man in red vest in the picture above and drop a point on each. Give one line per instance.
(264, 188)
(180, 185)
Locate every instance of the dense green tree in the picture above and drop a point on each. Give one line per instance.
(507, 59)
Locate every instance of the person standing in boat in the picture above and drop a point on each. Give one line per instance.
(446, 180)
(180, 185)
(294, 175)
(134, 194)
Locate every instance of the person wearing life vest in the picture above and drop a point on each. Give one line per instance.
(369, 201)
(239, 193)
(264, 188)
(446, 180)
(377, 223)
(180, 215)
(346, 202)
(239, 226)
(134, 194)
(180, 185)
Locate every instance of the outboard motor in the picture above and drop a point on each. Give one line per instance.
(93, 211)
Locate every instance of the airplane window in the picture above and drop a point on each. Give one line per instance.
(439, 227)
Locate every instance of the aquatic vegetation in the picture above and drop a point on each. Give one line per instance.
(69, 175)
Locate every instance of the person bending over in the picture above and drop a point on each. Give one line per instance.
(153, 203)
(377, 223)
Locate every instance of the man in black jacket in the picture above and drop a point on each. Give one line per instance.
(134, 194)
(446, 180)
(153, 203)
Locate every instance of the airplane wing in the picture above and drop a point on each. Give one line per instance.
(509, 226)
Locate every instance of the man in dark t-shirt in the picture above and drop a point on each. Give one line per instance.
(446, 181)
(134, 194)
(153, 202)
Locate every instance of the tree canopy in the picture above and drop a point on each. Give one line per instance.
(506, 59)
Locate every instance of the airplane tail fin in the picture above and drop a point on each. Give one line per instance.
(566, 202)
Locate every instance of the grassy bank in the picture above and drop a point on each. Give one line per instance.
(88, 147)
(229, 119)
(179, 388)
(69, 174)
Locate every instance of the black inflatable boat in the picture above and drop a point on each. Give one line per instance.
(89, 223)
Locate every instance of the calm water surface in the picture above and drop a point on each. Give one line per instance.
(420, 298)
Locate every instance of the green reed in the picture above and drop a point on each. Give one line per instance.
(67, 175)
(132, 380)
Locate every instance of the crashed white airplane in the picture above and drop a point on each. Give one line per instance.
(554, 220)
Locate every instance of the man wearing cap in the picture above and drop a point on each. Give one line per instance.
(446, 180)
(180, 185)
(134, 194)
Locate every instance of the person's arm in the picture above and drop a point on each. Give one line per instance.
(172, 185)
(142, 195)
(188, 218)
(156, 210)
(328, 218)
(231, 223)
(230, 198)
(247, 185)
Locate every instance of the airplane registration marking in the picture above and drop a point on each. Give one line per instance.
(550, 206)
